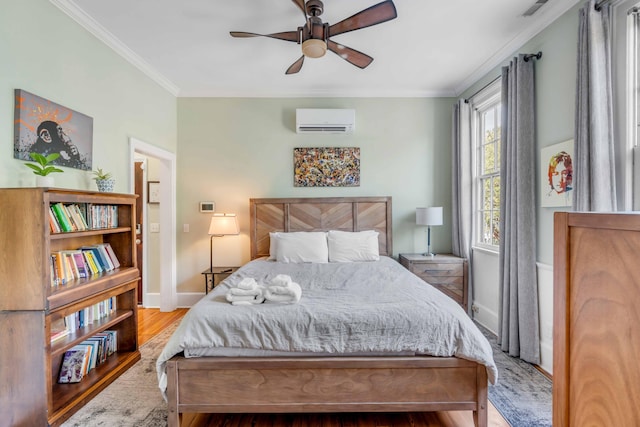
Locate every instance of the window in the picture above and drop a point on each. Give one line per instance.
(486, 141)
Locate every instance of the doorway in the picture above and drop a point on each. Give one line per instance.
(140, 180)
(164, 296)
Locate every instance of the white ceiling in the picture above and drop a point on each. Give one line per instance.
(430, 49)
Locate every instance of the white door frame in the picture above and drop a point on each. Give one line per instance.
(167, 236)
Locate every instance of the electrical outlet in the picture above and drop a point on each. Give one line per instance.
(154, 227)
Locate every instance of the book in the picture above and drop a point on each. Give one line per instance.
(58, 210)
(59, 329)
(70, 217)
(77, 216)
(101, 255)
(110, 340)
(112, 255)
(95, 264)
(53, 222)
(71, 264)
(60, 269)
(53, 270)
(105, 256)
(80, 263)
(94, 360)
(74, 364)
(92, 268)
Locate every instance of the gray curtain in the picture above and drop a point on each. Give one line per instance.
(518, 327)
(461, 190)
(594, 163)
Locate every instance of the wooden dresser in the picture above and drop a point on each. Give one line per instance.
(596, 342)
(446, 272)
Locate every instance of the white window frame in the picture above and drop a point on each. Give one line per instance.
(484, 100)
(633, 97)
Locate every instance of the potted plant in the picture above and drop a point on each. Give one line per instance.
(103, 180)
(43, 168)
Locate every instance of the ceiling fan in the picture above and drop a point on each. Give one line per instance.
(315, 35)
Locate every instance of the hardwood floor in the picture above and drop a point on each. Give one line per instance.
(151, 321)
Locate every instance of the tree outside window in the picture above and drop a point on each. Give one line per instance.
(488, 174)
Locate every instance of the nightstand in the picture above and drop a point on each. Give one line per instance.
(446, 272)
(213, 278)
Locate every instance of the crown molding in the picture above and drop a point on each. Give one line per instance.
(545, 16)
(101, 33)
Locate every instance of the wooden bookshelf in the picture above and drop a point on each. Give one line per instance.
(29, 303)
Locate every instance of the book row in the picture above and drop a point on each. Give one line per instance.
(81, 263)
(80, 359)
(81, 217)
(67, 325)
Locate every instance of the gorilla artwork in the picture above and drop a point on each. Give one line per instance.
(53, 139)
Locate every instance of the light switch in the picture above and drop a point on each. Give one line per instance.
(154, 227)
(185, 228)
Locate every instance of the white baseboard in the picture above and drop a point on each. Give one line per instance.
(546, 357)
(486, 317)
(185, 300)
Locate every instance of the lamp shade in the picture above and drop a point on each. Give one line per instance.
(429, 216)
(223, 224)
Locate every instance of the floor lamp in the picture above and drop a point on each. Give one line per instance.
(221, 225)
(429, 217)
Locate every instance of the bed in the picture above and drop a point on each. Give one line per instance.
(316, 375)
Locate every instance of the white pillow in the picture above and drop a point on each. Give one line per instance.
(346, 246)
(273, 244)
(301, 246)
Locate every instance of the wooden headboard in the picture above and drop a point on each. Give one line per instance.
(319, 214)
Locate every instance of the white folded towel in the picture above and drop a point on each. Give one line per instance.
(282, 289)
(247, 283)
(246, 292)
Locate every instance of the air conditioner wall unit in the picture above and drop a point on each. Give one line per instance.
(325, 120)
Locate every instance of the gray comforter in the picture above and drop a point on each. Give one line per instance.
(346, 308)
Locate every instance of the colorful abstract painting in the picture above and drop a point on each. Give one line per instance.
(556, 175)
(326, 167)
(45, 127)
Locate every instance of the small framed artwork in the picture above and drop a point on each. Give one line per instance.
(556, 175)
(153, 192)
(326, 167)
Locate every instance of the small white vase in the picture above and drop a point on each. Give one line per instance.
(106, 185)
(44, 181)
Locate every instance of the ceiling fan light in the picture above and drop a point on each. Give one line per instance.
(314, 48)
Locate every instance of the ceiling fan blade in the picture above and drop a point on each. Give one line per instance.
(296, 66)
(377, 14)
(290, 36)
(353, 56)
(300, 4)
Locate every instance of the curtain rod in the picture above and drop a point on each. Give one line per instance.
(527, 57)
(466, 100)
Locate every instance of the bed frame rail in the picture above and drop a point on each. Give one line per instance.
(336, 384)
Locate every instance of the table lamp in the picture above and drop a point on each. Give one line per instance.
(429, 217)
(221, 225)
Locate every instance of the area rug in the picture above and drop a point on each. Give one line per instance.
(522, 395)
(132, 400)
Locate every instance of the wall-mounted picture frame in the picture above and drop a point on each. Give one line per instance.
(326, 167)
(153, 192)
(44, 127)
(556, 175)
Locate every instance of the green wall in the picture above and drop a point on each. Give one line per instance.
(233, 149)
(47, 53)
